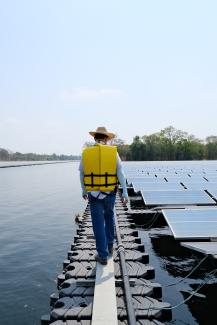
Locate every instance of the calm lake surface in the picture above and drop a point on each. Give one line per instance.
(37, 209)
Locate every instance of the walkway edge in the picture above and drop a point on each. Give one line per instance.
(104, 304)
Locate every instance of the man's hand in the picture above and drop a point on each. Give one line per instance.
(84, 195)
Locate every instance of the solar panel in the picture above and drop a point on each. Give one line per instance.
(199, 176)
(159, 198)
(147, 179)
(192, 223)
(192, 171)
(158, 186)
(201, 186)
(212, 191)
(208, 248)
(176, 177)
(187, 181)
(211, 179)
(135, 174)
(191, 180)
(195, 185)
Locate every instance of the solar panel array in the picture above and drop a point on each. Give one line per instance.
(147, 179)
(168, 198)
(140, 186)
(192, 223)
(187, 193)
(179, 175)
(208, 248)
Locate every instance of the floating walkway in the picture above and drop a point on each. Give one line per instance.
(123, 292)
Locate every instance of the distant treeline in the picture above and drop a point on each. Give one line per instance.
(168, 144)
(17, 156)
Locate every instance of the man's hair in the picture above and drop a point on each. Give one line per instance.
(100, 136)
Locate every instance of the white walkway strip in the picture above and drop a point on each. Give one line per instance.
(104, 303)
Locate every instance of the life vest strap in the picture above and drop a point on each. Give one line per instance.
(100, 175)
(98, 185)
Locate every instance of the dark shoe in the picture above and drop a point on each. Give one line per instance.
(101, 260)
(110, 248)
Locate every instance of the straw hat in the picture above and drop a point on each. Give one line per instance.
(103, 130)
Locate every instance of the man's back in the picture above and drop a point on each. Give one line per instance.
(100, 167)
(120, 176)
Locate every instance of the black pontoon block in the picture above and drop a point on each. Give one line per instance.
(91, 245)
(87, 270)
(89, 255)
(79, 308)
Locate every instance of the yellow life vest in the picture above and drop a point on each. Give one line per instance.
(100, 171)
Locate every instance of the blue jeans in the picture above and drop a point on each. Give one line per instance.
(102, 215)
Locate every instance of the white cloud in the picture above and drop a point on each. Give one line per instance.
(87, 95)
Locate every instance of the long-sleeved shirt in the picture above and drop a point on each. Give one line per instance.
(120, 175)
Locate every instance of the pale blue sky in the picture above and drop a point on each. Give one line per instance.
(135, 67)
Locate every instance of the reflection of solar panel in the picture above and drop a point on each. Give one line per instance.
(195, 223)
(208, 248)
(158, 186)
(159, 198)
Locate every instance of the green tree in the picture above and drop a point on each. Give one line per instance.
(211, 147)
(138, 149)
(4, 155)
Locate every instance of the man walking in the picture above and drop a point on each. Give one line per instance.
(100, 171)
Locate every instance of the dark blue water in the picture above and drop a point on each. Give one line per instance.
(37, 208)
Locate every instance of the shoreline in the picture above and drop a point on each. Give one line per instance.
(31, 163)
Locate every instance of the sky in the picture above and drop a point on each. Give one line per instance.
(135, 67)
